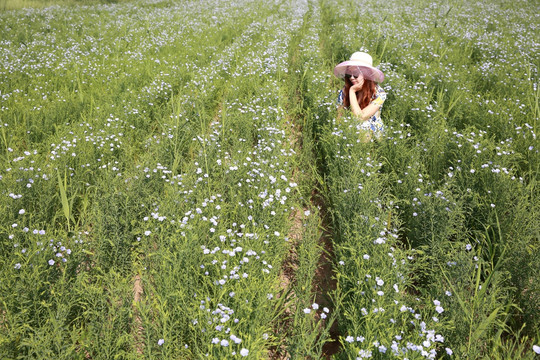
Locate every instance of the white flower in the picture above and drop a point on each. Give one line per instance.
(224, 342)
(236, 339)
(439, 309)
(51, 262)
(160, 342)
(366, 257)
(22, 211)
(365, 353)
(449, 351)
(307, 310)
(349, 339)
(147, 232)
(307, 213)
(315, 306)
(244, 352)
(364, 311)
(536, 349)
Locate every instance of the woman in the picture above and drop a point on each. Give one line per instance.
(362, 93)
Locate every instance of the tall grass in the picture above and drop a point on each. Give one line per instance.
(168, 178)
(168, 170)
(437, 180)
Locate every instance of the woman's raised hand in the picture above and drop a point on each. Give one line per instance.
(357, 87)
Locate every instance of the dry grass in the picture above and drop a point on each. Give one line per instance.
(137, 293)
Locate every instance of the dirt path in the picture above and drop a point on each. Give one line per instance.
(137, 293)
(324, 282)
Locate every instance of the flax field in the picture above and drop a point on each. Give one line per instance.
(176, 183)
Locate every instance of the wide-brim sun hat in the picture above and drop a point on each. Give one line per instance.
(359, 62)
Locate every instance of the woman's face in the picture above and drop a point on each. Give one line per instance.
(355, 75)
(357, 79)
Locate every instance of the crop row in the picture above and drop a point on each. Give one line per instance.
(150, 201)
(431, 223)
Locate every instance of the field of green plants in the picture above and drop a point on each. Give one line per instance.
(175, 182)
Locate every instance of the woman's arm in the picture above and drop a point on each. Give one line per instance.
(362, 114)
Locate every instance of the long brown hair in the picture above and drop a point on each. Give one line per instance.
(364, 96)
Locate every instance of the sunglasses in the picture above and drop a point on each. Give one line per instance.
(353, 71)
(350, 76)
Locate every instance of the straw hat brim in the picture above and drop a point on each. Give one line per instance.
(351, 66)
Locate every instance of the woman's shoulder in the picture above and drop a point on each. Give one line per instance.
(379, 96)
(380, 92)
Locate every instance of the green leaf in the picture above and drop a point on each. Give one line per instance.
(484, 325)
(464, 307)
(63, 197)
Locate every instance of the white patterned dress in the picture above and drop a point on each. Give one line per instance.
(374, 123)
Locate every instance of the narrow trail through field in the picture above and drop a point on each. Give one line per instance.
(137, 293)
(322, 281)
(325, 283)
